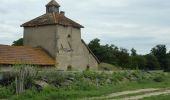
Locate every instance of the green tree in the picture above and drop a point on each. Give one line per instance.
(123, 57)
(95, 47)
(137, 62)
(105, 53)
(168, 62)
(18, 42)
(133, 52)
(159, 52)
(110, 53)
(152, 62)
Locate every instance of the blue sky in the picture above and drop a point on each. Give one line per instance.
(139, 24)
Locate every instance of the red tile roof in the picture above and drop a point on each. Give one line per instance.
(24, 55)
(52, 19)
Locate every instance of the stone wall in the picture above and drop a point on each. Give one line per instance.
(62, 43)
(43, 37)
(71, 51)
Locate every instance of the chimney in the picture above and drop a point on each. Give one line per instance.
(62, 13)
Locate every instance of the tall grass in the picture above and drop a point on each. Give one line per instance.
(71, 86)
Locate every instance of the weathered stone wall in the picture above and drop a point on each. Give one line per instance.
(43, 37)
(71, 51)
(63, 43)
(6, 68)
(93, 64)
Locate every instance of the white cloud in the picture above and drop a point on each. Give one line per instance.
(141, 24)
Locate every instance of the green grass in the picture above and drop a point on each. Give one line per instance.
(5, 92)
(52, 93)
(84, 85)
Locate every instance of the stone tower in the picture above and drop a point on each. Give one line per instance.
(60, 37)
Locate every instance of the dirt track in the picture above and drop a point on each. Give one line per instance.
(136, 94)
(147, 95)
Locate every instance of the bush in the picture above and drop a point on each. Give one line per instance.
(5, 92)
(137, 62)
(107, 67)
(53, 77)
(152, 62)
(159, 79)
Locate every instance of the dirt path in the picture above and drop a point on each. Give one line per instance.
(147, 95)
(122, 93)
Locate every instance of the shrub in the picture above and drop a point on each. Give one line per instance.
(5, 92)
(54, 77)
(107, 67)
(91, 75)
(159, 79)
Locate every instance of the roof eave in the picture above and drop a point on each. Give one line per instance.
(23, 25)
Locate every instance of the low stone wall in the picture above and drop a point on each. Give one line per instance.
(6, 68)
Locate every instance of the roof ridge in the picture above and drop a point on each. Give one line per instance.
(28, 47)
(52, 19)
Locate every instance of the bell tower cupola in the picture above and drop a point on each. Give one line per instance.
(52, 7)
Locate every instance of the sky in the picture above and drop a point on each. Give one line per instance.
(139, 24)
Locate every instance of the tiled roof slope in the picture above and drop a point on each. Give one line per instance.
(53, 3)
(52, 19)
(24, 55)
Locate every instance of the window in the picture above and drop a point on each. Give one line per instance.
(88, 67)
(69, 36)
(69, 68)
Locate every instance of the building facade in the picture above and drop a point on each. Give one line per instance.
(60, 37)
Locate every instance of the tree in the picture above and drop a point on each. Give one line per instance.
(152, 62)
(95, 47)
(133, 52)
(159, 52)
(18, 42)
(168, 62)
(123, 57)
(110, 53)
(138, 62)
(105, 53)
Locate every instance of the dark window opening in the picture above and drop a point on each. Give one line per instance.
(69, 36)
(88, 67)
(69, 68)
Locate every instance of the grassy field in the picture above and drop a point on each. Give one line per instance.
(84, 85)
(52, 93)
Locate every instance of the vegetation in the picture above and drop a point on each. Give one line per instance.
(18, 42)
(78, 85)
(108, 67)
(23, 74)
(71, 86)
(157, 59)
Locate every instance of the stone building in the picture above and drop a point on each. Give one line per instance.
(60, 37)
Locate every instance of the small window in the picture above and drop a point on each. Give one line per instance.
(69, 36)
(88, 67)
(69, 68)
